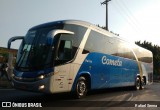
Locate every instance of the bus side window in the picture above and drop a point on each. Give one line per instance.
(65, 51)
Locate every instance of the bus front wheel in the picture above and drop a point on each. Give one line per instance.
(81, 87)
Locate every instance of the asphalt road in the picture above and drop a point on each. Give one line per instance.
(118, 98)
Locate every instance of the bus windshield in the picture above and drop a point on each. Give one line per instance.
(34, 52)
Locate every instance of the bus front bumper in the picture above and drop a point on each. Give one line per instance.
(42, 85)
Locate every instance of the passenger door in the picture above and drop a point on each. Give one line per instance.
(62, 65)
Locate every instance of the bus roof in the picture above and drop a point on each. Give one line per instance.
(85, 24)
(77, 22)
(61, 22)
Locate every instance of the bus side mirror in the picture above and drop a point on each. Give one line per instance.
(13, 39)
(53, 33)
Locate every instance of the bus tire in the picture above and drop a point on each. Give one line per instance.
(137, 84)
(81, 87)
(144, 78)
(142, 83)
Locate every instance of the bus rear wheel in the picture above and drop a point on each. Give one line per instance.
(137, 83)
(81, 87)
(142, 83)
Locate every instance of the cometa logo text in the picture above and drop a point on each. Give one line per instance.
(107, 61)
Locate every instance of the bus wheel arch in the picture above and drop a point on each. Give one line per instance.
(88, 80)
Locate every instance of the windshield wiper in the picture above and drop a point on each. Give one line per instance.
(22, 57)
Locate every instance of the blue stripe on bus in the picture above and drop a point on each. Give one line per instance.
(108, 71)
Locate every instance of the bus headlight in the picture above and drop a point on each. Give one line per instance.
(41, 77)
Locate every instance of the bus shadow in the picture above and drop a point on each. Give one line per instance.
(91, 94)
(109, 91)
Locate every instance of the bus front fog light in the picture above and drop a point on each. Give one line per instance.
(41, 87)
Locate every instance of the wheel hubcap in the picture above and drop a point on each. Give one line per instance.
(81, 88)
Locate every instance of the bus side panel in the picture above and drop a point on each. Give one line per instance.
(60, 81)
(147, 69)
(109, 71)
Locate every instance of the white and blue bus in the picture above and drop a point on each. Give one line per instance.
(76, 56)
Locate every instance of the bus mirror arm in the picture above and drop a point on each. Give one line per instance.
(59, 31)
(13, 39)
(53, 33)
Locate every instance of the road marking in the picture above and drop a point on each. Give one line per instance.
(131, 97)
